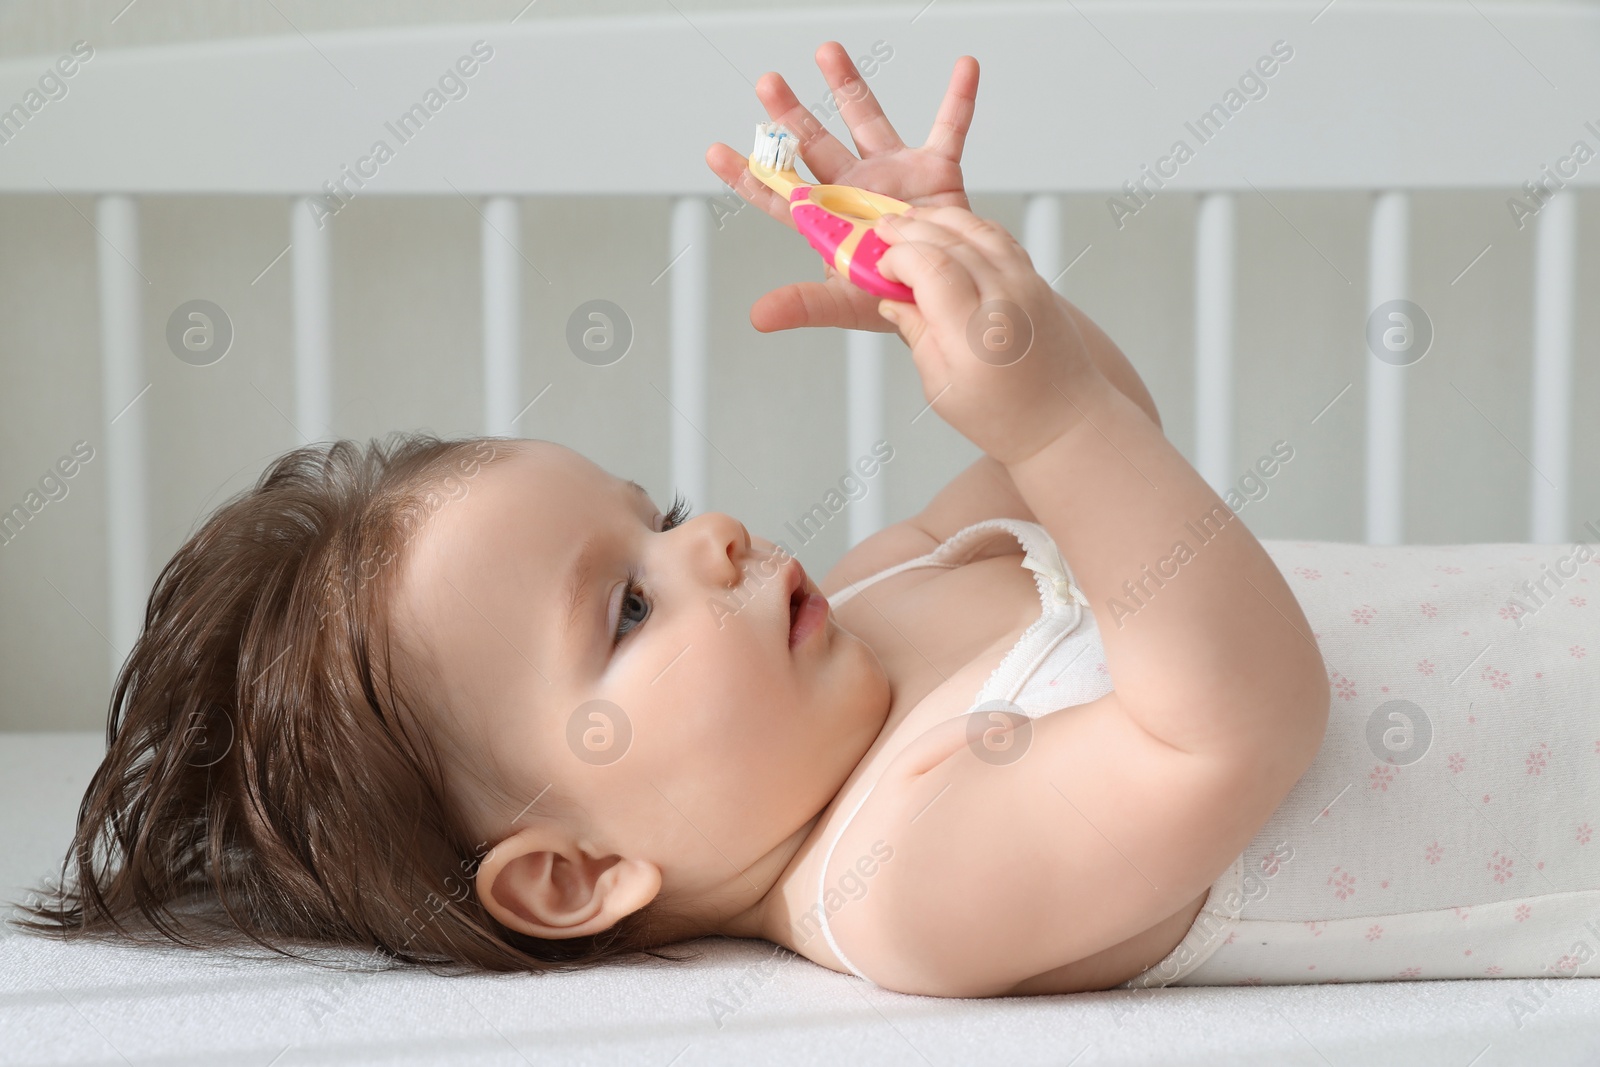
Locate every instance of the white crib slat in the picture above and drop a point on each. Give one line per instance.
(502, 314)
(1041, 234)
(689, 298)
(1554, 270)
(864, 355)
(124, 378)
(1388, 268)
(313, 348)
(1214, 266)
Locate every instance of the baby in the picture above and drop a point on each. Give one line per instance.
(481, 705)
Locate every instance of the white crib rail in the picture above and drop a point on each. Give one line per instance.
(123, 386)
(1214, 271)
(1554, 282)
(502, 315)
(691, 288)
(1365, 108)
(1388, 264)
(313, 322)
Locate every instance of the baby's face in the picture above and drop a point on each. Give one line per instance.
(698, 740)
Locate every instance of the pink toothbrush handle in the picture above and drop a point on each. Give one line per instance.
(827, 230)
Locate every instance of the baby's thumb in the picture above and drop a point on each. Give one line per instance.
(906, 318)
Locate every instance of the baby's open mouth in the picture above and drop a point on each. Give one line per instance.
(808, 613)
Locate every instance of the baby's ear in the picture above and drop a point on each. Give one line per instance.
(541, 883)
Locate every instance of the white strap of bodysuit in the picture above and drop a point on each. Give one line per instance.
(960, 539)
(852, 589)
(1048, 564)
(822, 890)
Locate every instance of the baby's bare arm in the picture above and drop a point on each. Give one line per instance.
(984, 490)
(1110, 361)
(1122, 810)
(1203, 637)
(1118, 812)
(1204, 640)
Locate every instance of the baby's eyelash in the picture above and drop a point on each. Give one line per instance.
(676, 515)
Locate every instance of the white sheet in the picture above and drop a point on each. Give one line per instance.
(77, 1004)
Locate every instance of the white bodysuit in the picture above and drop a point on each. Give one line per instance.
(1445, 828)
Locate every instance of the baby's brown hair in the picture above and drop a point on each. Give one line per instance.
(266, 779)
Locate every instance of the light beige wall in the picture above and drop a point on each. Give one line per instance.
(28, 27)
(407, 339)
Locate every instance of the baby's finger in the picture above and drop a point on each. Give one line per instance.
(949, 133)
(1002, 248)
(905, 318)
(819, 149)
(869, 127)
(939, 280)
(899, 230)
(734, 170)
(810, 304)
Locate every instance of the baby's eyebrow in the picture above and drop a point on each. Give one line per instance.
(577, 586)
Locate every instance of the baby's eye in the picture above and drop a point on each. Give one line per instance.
(632, 600)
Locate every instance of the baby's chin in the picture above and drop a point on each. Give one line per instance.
(846, 639)
(873, 678)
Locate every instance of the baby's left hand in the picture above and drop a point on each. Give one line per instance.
(929, 175)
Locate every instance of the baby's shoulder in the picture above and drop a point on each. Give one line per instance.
(854, 880)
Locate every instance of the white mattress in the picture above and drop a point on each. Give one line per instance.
(740, 1004)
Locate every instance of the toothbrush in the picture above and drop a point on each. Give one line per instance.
(836, 219)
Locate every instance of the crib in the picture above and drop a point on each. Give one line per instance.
(1386, 101)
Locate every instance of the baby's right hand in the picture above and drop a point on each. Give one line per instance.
(997, 355)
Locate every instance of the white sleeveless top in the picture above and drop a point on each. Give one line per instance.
(1444, 828)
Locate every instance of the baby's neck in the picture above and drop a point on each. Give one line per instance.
(754, 903)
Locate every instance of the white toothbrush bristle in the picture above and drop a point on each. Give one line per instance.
(775, 146)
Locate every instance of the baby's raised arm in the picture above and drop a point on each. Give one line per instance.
(1124, 809)
(984, 490)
